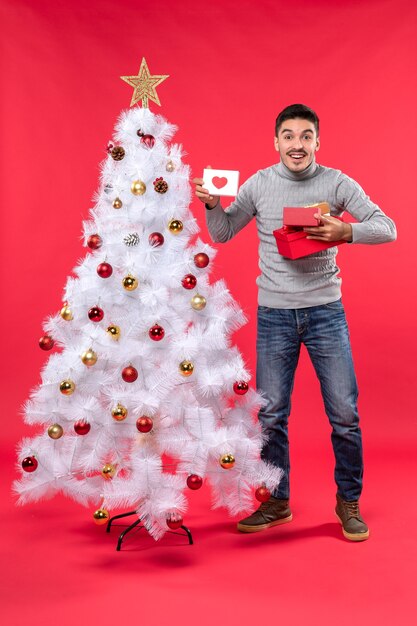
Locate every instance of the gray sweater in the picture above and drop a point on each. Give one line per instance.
(312, 280)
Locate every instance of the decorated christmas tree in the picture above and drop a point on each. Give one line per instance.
(144, 396)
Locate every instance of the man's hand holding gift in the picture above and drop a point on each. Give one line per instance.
(330, 229)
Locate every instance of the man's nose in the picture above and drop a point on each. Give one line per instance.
(297, 142)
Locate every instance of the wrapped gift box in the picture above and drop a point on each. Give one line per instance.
(304, 215)
(291, 239)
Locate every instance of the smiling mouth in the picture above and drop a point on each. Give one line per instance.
(297, 155)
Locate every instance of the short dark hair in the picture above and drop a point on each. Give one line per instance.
(297, 110)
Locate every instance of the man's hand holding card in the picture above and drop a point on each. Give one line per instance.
(216, 183)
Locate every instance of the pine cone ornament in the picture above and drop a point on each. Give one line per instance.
(132, 239)
(117, 153)
(160, 185)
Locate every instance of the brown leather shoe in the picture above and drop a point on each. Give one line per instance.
(353, 526)
(271, 513)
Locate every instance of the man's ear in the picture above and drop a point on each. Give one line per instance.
(317, 145)
(276, 144)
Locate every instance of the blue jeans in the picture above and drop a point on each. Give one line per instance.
(324, 332)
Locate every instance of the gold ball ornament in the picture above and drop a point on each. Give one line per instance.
(55, 431)
(89, 357)
(130, 283)
(101, 516)
(108, 471)
(117, 203)
(119, 413)
(227, 461)
(114, 332)
(186, 368)
(170, 166)
(198, 302)
(138, 187)
(175, 226)
(67, 387)
(66, 313)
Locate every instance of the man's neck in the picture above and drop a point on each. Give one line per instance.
(309, 171)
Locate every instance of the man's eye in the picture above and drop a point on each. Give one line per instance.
(307, 137)
(287, 137)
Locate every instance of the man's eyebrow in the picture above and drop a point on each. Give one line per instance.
(289, 130)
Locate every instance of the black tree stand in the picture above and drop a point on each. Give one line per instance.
(137, 523)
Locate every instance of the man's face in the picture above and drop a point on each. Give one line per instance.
(297, 143)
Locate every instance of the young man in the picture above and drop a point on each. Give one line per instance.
(299, 302)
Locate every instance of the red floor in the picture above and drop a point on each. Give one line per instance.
(62, 569)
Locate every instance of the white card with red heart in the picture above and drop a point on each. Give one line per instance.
(221, 182)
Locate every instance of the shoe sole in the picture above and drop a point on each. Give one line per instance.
(255, 529)
(353, 536)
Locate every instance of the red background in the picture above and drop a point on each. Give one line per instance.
(233, 66)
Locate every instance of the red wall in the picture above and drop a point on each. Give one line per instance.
(233, 66)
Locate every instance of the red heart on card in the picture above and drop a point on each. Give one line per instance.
(219, 182)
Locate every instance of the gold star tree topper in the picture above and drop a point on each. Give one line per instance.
(144, 85)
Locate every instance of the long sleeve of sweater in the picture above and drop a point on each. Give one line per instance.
(373, 225)
(225, 224)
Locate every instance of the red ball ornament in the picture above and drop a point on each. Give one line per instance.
(201, 259)
(144, 424)
(46, 342)
(82, 427)
(148, 140)
(96, 314)
(156, 332)
(174, 522)
(262, 494)
(189, 281)
(156, 239)
(129, 374)
(240, 387)
(194, 482)
(94, 242)
(104, 270)
(29, 464)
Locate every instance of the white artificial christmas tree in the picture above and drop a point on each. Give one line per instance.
(147, 396)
